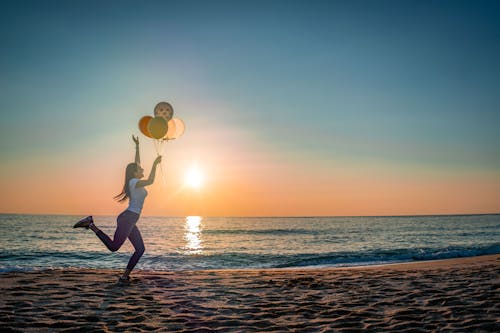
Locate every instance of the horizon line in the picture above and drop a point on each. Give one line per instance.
(272, 216)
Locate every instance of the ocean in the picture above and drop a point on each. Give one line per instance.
(32, 242)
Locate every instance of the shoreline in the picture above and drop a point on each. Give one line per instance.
(451, 294)
(445, 261)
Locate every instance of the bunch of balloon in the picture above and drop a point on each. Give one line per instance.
(163, 127)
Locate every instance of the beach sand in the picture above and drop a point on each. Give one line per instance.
(460, 295)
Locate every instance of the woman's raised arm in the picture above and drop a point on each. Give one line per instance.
(137, 155)
(151, 178)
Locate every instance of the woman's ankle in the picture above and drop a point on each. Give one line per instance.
(126, 274)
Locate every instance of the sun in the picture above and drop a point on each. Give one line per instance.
(193, 178)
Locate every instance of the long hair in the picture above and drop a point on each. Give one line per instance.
(129, 174)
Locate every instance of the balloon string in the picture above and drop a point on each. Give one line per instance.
(163, 175)
(159, 148)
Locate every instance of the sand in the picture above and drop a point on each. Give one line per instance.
(459, 295)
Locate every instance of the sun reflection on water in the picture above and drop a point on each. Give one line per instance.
(193, 235)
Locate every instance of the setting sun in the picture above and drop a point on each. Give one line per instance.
(193, 178)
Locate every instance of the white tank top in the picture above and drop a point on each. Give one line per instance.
(137, 196)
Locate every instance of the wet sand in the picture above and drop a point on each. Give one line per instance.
(458, 295)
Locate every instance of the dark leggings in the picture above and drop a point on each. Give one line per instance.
(125, 228)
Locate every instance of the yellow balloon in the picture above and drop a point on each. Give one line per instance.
(158, 127)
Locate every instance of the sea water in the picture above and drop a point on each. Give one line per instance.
(30, 242)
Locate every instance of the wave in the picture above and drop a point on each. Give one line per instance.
(15, 260)
(390, 256)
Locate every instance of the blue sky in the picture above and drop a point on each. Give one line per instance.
(407, 84)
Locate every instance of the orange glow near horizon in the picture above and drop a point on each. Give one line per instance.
(245, 183)
(243, 198)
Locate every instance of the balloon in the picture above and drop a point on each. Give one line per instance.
(178, 129)
(143, 126)
(171, 130)
(158, 127)
(164, 110)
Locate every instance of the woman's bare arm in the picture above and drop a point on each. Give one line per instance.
(137, 155)
(152, 174)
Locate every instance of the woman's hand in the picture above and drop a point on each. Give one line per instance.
(157, 160)
(137, 154)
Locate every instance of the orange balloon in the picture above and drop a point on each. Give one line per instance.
(158, 127)
(143, 126)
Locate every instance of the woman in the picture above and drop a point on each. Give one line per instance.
(134, 190)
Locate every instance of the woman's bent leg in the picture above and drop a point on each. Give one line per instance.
(125, 224)
(136, 240)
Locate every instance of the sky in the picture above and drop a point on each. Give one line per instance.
(292, 108)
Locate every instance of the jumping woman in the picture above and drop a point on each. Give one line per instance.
(134, 190)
